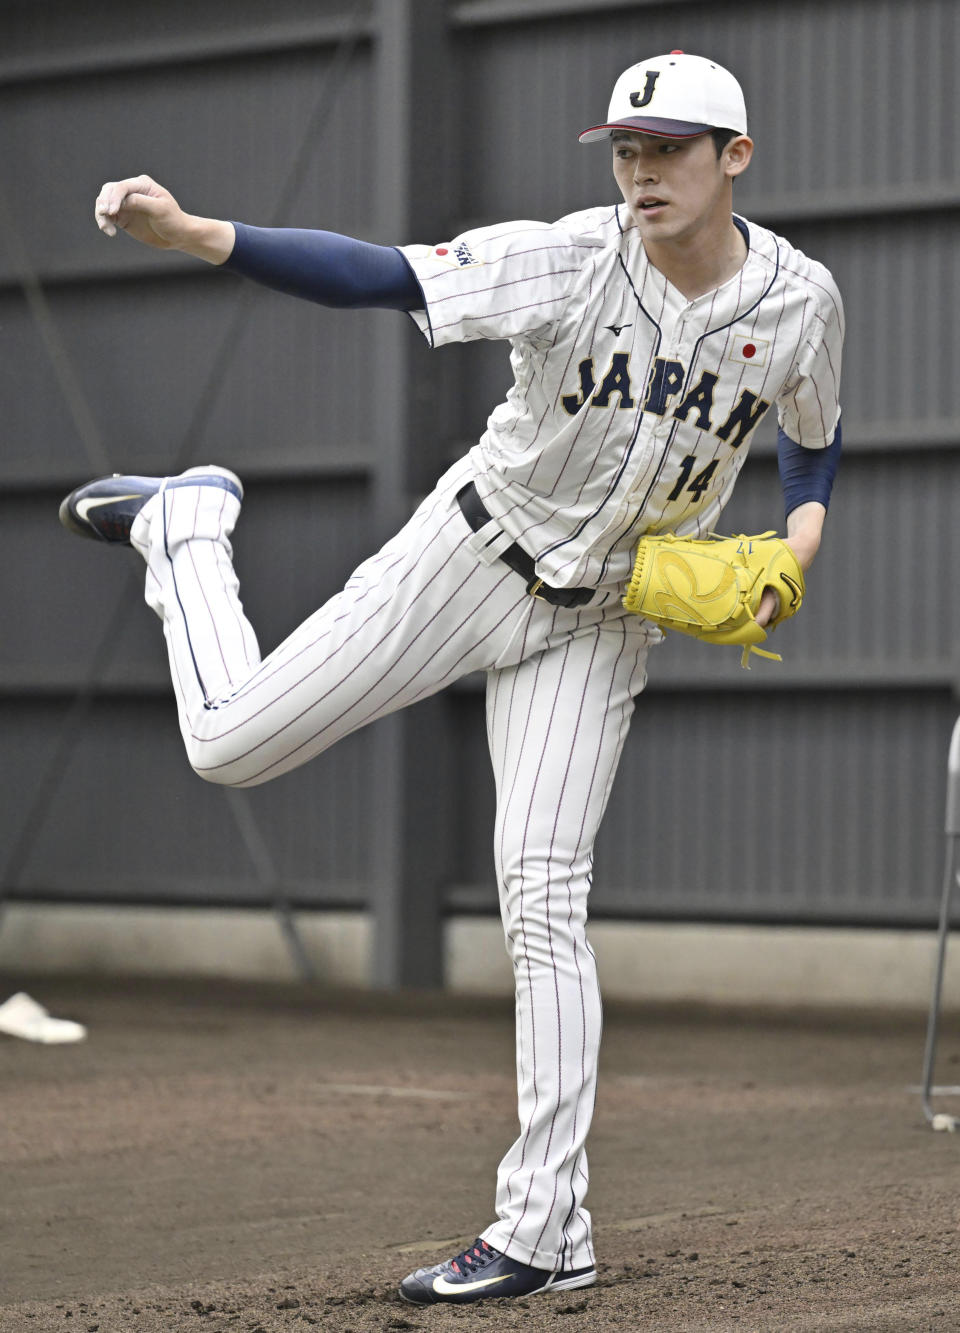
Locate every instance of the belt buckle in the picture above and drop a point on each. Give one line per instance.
(533, 589)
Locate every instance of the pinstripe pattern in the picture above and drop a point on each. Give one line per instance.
(577, 489)
(559, 702)
(623, 391)
(557, 722)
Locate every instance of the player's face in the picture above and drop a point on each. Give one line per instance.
(676, 188)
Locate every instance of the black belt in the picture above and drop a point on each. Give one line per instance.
(516, 557)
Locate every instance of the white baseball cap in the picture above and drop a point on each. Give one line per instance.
(677, 96)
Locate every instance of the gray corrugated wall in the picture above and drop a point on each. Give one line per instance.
(137, 361)
(811, 790)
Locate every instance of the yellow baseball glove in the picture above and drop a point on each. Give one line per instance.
(711, 587)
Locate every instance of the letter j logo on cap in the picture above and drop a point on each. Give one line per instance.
(643, 99)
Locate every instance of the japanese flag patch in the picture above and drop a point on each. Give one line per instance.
(749, 351)
(457, 256)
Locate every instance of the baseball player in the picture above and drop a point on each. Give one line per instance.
(647, 340)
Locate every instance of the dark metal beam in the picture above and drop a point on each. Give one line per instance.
(410, 809)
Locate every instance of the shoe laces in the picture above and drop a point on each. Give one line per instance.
(477, 1255)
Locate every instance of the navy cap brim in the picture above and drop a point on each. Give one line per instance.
(667, 129)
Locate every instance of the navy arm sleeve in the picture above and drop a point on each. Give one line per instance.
(806, 474)
(325, 267)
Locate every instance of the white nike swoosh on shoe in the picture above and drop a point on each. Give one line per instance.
(444, 1288)
(94, 502)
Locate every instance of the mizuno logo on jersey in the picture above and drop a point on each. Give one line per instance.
(458, 256)
(667, 379)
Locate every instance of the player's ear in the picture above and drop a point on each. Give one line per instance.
(737, 155)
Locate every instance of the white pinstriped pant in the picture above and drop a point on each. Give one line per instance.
(432, 605)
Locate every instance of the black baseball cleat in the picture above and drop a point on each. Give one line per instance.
(105, 509)
(482, 1271)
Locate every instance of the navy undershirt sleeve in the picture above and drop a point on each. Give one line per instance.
(806, 474)
(325, 267)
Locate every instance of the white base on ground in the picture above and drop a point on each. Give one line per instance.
(22, 1016)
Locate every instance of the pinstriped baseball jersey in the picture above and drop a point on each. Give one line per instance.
(632, 408)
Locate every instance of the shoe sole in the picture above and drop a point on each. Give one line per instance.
(569, 1283)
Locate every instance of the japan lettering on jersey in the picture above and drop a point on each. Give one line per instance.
(632, 408)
